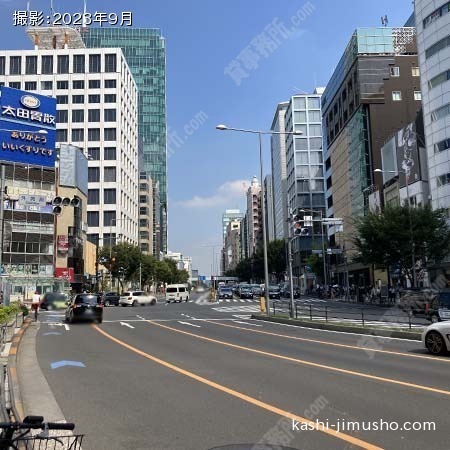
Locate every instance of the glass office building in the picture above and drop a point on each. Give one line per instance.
(145, 52)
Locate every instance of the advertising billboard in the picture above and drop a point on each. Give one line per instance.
(408, 155)
(27, 127)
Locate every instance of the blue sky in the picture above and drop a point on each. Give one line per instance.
(208, 169)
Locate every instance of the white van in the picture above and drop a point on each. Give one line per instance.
(177, 293)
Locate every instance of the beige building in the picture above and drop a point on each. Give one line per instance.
(232, 246)
(254, 217)
(146, 211)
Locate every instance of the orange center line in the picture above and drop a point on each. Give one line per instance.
(246, 398)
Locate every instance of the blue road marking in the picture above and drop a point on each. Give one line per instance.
(58, 364)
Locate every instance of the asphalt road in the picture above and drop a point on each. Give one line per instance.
(198, 375)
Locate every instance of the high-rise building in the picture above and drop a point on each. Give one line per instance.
(145, 53)
(305, 184)
(145, 214)
(278, 158)
(269, 209)
(232, 246)
(254, 217)
(374, 91)
(96, 111)
(227, 217)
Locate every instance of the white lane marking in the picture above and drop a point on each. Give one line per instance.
(190, 324)
(126, 325)
(246, 323)
(54, 324)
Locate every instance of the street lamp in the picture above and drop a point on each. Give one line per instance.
(263, 206)
(413, 255)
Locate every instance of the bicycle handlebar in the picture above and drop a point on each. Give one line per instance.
(37, 426)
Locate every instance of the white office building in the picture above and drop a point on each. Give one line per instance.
(433, 41)
(96, 111)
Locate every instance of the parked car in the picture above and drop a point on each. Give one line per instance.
(436, 338)
(111, 298)
(54, 300)
(135, 298)
(225, 292)
(177, 293)
(85, 307)
(439, 309)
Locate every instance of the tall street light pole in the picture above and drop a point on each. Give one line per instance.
(263, 206)
(413, 251)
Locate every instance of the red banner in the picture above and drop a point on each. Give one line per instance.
(65, 272)
(62, 243)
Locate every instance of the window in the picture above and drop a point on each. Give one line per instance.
(110, 174)
(301, 144)
(46, 85)
(439, 79)
(78, 84)
(93, 196)
(109, 218)
(94, 115)
(15, 63)
(62, 99)
(2, 65)
(302, 128)
(94, 153)
(109, 196)
(31, 65)
(78, 99)
(14, 84)
(77, 134)
(317, 185)
(302, 172)
(78, 64)
(94, 64)
(143, 223)
(94, 98)
(437, 47)
(316, 158)
(418, 95)
(302, 158)
(143, 211)
(315, 143)
(394, 71)
(30, 85)
(299, 103)
(442, 146)
(110, 134)
(299, 116)
(436, 14)
(313, 102)
(94, 134)
(93, 218)
(93, 174)
(62, 116)
(47, 64)
(396, 96)
(62, 84)
(315, 116)
(144, 199)
(315, 130)
(110, 98)
(109, 154)
(110, 115)
(110, 84)
(316, 171)
(415, 71)
(440, 112)
(110, 62)
(94, 84)
(63, 64)
(61, 136)
(442, 180)
(78, 115)
(93, 238)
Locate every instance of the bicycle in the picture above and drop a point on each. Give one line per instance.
(35, 307)
(15, 435)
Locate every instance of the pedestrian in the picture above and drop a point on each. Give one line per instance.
(1, 297)
(35, 301)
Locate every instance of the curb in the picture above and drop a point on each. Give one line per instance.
(343, 328)
(16, 400)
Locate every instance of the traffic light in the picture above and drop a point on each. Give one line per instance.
(299, 226)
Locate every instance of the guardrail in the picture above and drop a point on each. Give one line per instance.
(364, 316)
(7, 329)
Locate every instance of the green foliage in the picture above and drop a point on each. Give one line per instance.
(316, 264)
(385, 239)
(8, 312)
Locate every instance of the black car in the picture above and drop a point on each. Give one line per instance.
(274, 292)
(111, 298)
(85, 307)
(246, 293)
(53, 300)
(225, 292)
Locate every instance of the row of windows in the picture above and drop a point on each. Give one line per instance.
(62, 64)
(309, 158)
(437, 47)
(302, 117)
(109, 196)
(440, 112)
(435, 15)
(28, 247)
(109, 153)
(309, 171)
(314, 143)
(94, 134)
(442, 146)
(109, 174)
(109, 218)
(311, 130)
(394, 71)
(79, 99)
(397, 96)
(109, 115)
(80, 84)
(300, 103)
(439, 79)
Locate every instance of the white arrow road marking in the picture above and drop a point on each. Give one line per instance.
(54, 324)
(126, 324)
(245, 323)
(190, 324)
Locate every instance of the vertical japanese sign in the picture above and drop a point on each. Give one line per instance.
(27, 127)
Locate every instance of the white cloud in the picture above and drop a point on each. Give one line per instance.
(226, 193)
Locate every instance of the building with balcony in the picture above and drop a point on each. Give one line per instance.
(146, 210)
(232, 246)
(254, 217)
